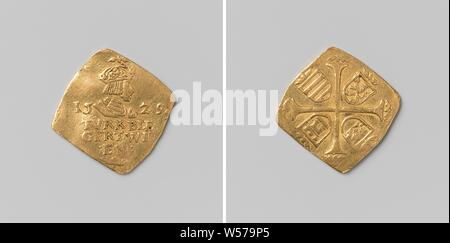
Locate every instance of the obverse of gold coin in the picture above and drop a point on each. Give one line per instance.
(339, 109)
(114, 110)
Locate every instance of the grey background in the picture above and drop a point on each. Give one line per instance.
(406, 179)
(43, 177)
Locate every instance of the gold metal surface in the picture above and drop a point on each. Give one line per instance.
(114, 111)
(338, 109)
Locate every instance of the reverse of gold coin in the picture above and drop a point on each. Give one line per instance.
(339, 109)
(114, 110)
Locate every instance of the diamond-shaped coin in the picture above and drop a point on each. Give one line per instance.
(339, 109)
(114, 110)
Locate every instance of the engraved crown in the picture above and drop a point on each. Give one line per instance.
(116, 73)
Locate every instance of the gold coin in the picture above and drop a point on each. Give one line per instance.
(114, 110)
(339, 109)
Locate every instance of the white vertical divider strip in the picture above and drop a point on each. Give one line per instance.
(224, 111)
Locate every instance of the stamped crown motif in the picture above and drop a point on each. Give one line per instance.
(119, 72)
(117, 80)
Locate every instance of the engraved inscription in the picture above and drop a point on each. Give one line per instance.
(114, 110)
(144, 109)
(115, 130)
(116, 137)
(84, 109)
(121, 132)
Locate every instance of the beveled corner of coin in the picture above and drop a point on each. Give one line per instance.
(339, 109)
(114, 110)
